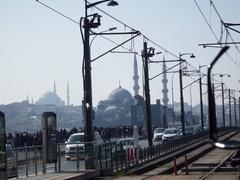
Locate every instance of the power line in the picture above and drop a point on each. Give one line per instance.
(104, 12)
(61, 14)
(211, 3)
(129, 50)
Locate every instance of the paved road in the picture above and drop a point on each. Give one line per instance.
(64, 164)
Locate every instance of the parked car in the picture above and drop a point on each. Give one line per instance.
(124, 143)
(171, 134)
(189, 130)
(77, 140)
(158, 133)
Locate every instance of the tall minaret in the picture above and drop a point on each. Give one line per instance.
(68, 94)
(165, 81)
(54, 88)
(135, 76)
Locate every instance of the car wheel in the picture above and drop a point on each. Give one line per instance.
(68, 159)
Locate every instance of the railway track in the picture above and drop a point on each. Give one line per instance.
(192, 154)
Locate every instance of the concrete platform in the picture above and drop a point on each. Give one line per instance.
(84, 175)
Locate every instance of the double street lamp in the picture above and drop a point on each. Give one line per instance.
(87, 80)
(223, 104)
(181, 89)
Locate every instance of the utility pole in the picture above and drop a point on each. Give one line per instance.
(87, 81)
(239, 110)
(201, 101)
(87, 86)
(223, 108)
(230, 111)
(181, 98)
(235, 111)
(147, 52)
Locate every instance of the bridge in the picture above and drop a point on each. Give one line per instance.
(192, 156)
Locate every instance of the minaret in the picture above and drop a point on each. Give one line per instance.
(165, 93)
(68, 94)
(165, 81)
(54, 88)
(135, 76)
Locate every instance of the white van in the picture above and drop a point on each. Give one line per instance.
(77, 140)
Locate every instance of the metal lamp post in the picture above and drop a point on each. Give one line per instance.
(181, 89)
(146, 53)
(222, 89)
(201, 100)
(87, 80)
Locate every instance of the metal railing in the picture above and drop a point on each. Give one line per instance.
(108, 158)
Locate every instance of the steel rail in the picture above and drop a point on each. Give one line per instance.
(217, 166)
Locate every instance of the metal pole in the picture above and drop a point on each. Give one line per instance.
(230, 111)
(181, 98)
(172, 94)
(191, 99)
(201, 102)
(239, 110)
(87, 90)
(235, 111)
(223, 108)
(147, 95)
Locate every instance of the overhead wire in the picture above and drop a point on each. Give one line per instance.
(214, 34)
(125, 25)
(104, 12)
(222, 23)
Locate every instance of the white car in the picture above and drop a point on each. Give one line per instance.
(158, 133)
(77, 140)
(171, 134)
(125, 143)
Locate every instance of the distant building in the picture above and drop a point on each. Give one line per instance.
(50, 98)
(115, 110)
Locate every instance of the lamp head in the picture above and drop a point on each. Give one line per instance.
(112, 28)
(112, 3)
(192, 56)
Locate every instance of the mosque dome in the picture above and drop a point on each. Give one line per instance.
(110, 111)
(120, 94)
(50, 98)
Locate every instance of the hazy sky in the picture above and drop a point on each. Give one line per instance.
(38, 46)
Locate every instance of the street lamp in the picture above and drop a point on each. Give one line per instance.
(181, 89)
(87, 80)
(223, 108)
(172, 93)
(201, 101)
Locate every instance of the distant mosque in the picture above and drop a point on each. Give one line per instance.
(51, 98)
(116, 109)
(121, 108)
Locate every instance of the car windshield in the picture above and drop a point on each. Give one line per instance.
(170, 131)
(76, 138)
(126, 142)
(159, 130)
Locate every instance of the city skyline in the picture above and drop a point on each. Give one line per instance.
(39, 46)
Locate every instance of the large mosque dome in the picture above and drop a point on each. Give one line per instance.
(50, 98)
(120, 94)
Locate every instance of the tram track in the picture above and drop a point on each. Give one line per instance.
(193, 152)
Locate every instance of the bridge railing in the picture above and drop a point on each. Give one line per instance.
(115, 159)
(108, 158)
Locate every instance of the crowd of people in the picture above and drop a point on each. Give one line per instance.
(21, 139)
